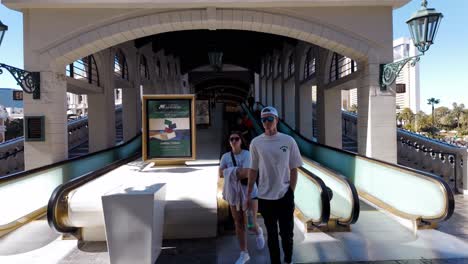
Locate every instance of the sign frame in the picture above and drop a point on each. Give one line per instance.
(41, 120)
(146, 132)
(209, 113)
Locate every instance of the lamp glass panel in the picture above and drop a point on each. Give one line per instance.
(2, 33)
(434, 22)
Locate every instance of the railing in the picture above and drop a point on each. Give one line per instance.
(12, 156)
(12, 151)
(77, 132)
(422, 153)
(349, 124)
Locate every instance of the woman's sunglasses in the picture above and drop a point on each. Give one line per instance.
(234, 139)
(268, 118)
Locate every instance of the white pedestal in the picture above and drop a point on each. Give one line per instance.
(134, 220)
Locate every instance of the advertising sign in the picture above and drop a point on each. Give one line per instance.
(169, 131)
(203, 112)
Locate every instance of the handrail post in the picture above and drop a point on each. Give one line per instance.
(464, 170)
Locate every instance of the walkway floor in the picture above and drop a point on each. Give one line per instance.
(375, 238)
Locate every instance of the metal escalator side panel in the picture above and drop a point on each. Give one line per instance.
(345, 202)
(31, 190)
(57, 213)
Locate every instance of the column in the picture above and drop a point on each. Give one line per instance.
(376, 117)
(290, 103)
(332, 116)
(306, 109)
(257, 87)
(297, 88)
(130, 116)
(101, 108)
(329, 117)
(138, 109)
(278, 86)
(130, 99)
(53, 106)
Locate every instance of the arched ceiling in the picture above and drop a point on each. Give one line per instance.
(242, 48)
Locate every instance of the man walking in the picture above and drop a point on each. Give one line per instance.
(277, 157)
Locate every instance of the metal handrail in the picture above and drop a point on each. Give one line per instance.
(57, 207)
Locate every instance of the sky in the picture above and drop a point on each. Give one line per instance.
(442, 68)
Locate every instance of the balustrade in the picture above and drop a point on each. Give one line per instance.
(422, 153)
(12, 151)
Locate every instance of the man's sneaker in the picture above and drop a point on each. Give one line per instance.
(243, 258)
(260, 239)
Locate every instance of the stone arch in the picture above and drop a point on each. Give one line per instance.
(115, 33)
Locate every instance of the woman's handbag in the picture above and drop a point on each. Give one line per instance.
(243, 181)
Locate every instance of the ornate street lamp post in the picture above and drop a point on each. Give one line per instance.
(423, 26)
(30, 82)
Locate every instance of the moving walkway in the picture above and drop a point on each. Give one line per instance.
(193, 208)
(317, 180)
(400, 191)
(421, 198)
(29, 191)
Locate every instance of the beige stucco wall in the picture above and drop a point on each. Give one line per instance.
(47, 28)
(195, 3)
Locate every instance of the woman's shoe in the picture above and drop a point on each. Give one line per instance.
(243, 258)
(260, 239)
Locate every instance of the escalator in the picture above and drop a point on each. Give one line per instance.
(191, 189)
(343, 206)
(398, 190)
(30, 190)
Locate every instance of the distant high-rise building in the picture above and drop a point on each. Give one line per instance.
(407, 82)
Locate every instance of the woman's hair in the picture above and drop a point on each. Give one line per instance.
(243, 144)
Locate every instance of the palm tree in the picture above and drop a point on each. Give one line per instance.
(457, 113)
(432, 101)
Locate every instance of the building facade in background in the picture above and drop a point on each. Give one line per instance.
(12, 102)
(407, 82)
(78, 103)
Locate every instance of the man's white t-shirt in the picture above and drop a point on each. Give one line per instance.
(274, 157)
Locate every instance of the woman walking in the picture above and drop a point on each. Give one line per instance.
(234, 167)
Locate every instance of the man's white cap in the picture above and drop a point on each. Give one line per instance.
(269, 110)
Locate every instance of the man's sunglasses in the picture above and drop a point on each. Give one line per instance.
(234, 139)
(268, 118)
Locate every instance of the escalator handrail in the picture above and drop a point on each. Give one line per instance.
(325, 196)
(351, 188)
(22, 174)
(57, 207)
(421, 174)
